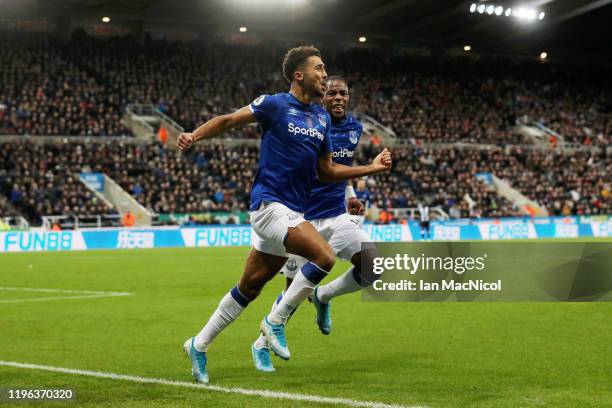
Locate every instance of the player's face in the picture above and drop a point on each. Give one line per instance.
(336, 99)
(314, 76)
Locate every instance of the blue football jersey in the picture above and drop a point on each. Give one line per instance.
(294, 135)
(327, 199)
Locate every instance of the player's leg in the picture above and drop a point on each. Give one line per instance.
(270, 225)
(259, 349)
(259, 269)
(303, 240)
(347, 240)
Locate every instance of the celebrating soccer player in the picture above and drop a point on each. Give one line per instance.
(295, 148)
(327, 212)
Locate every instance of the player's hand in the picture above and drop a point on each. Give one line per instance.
(185, 140)
(355, 207)
(383, 161)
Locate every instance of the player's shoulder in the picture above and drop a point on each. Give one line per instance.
(269, 99)
(353, 122)
(349, 124)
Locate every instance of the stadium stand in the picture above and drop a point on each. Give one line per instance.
(39, 180)
(81, 88)
(218, 178)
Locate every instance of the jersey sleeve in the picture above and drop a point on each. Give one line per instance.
(265, 109)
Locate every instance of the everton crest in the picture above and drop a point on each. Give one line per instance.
(322, 120)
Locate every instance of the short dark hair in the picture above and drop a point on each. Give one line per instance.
(336, 78)
(297, 56)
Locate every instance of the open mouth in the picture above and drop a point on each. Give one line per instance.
(338, 108)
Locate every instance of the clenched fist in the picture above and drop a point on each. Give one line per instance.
(185, 140)
(383, 160)
(355, 207)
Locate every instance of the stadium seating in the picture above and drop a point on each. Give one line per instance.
(218, 178)
(83, 86)
(80, 88)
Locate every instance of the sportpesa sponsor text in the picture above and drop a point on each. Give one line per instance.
(343, 153)
(312, 132)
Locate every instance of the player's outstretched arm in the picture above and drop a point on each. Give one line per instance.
(216, 126)
(330, 172)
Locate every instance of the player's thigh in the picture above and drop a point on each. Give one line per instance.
(293, 264)
(348, 239)
(271, 223)
(259, 269)
(304, 240)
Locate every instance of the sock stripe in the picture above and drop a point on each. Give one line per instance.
(313, 273)
(239, 297)
(279, 298)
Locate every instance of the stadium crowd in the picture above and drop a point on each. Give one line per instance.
(83, 86)
(44, 93)
(43, 179)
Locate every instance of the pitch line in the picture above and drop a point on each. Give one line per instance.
(85, 294)
(226, 390)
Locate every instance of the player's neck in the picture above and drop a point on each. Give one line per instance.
(300, 95)
(337, 121)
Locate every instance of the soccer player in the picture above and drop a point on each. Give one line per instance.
(424, 217)
(295, 147)
(327, 212)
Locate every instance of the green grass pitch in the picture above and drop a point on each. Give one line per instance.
(425, 354)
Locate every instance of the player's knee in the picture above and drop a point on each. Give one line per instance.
(363, 262)
(325, 259)
(365, 258)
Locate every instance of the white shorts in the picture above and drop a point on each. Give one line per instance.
(270, 226)
(344, 235)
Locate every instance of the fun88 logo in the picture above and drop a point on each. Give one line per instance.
(312, 132)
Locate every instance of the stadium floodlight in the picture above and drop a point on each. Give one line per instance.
(467, 48)
(106, 19)
(543, 55)
(519, 13)
(243, 29)
(362, 39)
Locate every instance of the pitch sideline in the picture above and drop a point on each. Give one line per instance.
(227, 390)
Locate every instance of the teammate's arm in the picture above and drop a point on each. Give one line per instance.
(331, 172)
(216, 126)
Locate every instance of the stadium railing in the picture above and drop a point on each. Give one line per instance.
(16, 222)
(80, 221)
